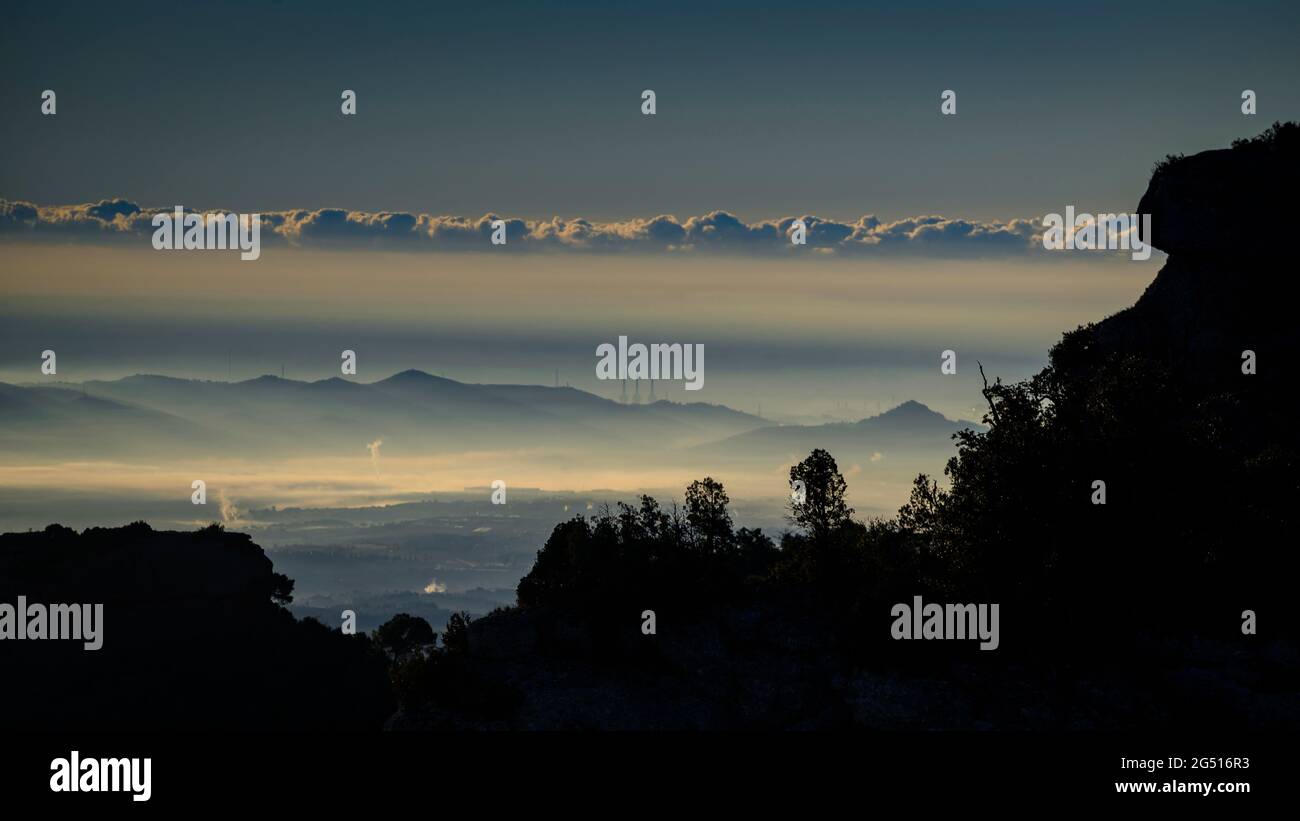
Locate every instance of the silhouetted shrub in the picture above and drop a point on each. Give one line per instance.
(404, 636)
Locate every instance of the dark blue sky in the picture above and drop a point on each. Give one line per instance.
(533, 110)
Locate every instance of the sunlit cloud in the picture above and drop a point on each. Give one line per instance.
(717, 231)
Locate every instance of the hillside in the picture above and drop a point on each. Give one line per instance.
(193, 638)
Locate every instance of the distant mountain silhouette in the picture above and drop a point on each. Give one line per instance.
(910, 427)
(165, 416)
(693, 421)
(62, 421)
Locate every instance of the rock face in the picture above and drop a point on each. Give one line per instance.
(1231, 202)
(1224, 217)
(193, 638)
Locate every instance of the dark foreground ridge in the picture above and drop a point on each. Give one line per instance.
(194, 638)
(1127, 614)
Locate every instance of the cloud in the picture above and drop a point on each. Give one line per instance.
(716, 232)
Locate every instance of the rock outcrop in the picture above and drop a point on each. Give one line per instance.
(1224, 218)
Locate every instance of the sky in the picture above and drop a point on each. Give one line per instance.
(533, 110)
(925, 235)
(794, 336)
(924, 229)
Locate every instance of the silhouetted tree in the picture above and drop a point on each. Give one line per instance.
(282, 593)
(404, 636)
(823, 509)
(455, 638)
(706, 512)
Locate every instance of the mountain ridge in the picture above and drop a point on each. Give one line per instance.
(412, 408)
